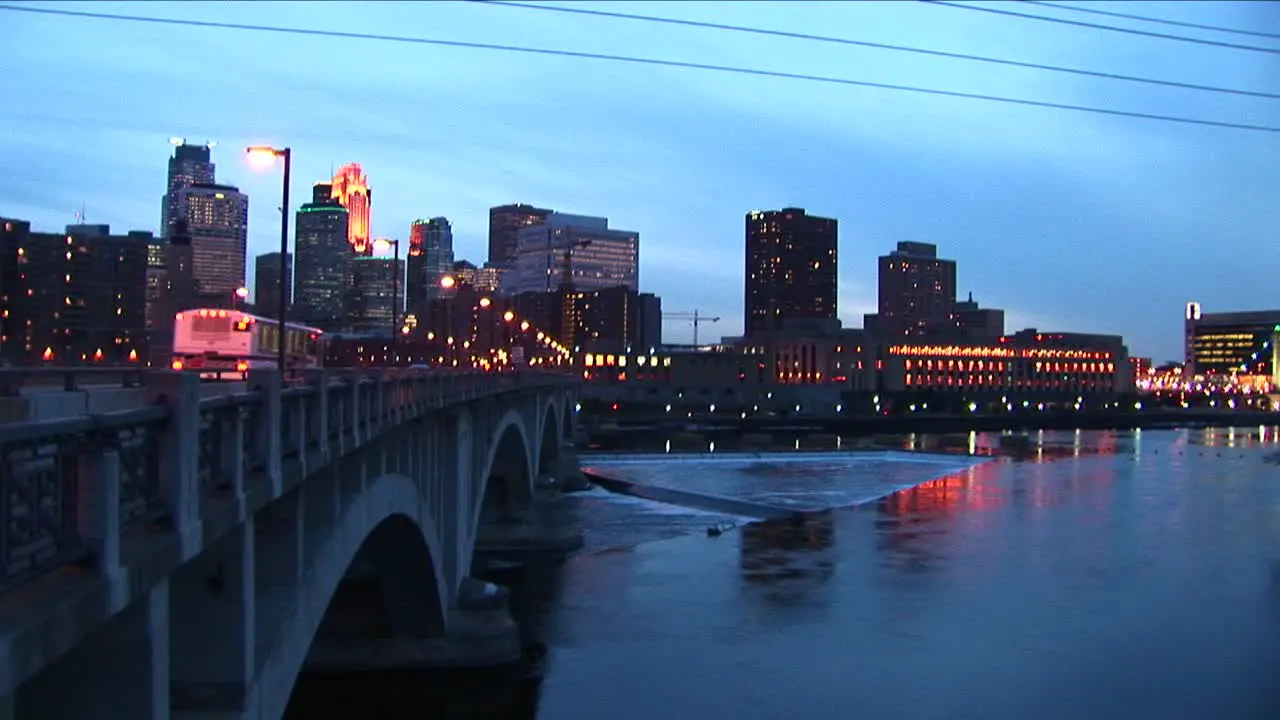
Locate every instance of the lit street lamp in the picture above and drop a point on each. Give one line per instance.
(448, 282)
(395, 289)
(262, 157)
(240, 296)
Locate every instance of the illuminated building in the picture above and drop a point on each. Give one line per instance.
(485, 279)
(351, 189)
(1028, 363)
(266, 283)
(790, 269)
(217, 224)
(373, 288)
(978, 322)
(505, 222)
(323, 272)
(72, 298)
(613, 319)
(430, 258)
(917, 292)
(1234, 347)
(189, 165)
(573, 252)
(157, 285)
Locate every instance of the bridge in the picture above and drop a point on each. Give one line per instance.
(188, 554)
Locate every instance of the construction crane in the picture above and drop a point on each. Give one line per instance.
(696, 317)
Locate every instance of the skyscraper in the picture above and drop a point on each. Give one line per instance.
(218, 225)
(266, 283)
(576, 252)
(373, 293)
(323, 271)
(351, 189)
(917, 291)
(430, 258)
(190, 165)
(505, 222)
(790, 269)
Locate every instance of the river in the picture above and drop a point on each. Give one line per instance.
(1097, 575)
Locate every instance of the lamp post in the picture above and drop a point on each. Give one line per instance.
(239, 297)
(263, 157)
(448, 282)
(395, 290)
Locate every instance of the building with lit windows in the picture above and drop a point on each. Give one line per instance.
(430, 258)
(917, 292)
(790, 276)
(1236, 348)
(374, 293)
(350, 187)
(189, 165)
(217, 224)
(74, 297)
(323, 256)
(505, 223)
(573, 252)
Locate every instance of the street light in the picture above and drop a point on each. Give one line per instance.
(263, 157)
(241, 295)
(448, 282)
(395, 288)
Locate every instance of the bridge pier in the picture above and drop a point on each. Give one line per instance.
(120, 670)
(213, 633)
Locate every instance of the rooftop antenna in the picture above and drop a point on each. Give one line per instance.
(80, 215)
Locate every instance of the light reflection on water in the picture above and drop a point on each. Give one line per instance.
(1101, 575)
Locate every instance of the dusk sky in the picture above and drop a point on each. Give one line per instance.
(1069, 221)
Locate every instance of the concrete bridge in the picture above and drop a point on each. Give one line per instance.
(187, 557)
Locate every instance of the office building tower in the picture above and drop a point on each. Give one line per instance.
(917, 292)
(217, 224)
(323, 257)
(77, 297)
(484, 279)
(790, 269)
(430, 259)
(266, 283)
(350, 187)
(189, 165)
(374, 292)
(574, 253)
(505, 222)
(157, 283)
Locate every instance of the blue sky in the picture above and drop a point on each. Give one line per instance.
(1069, 221)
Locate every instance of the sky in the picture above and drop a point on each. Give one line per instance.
(1069, 221)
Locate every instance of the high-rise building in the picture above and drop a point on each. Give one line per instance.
(218, 225)
(917, 292)
(790, 269)
(266, 283)
(373, 293)
(73, 297)
(190, 165)
(505, 222)
(350, 187)
(430, 258)
(323, 263)
(574, 252)
(484, 279)
(157, 283)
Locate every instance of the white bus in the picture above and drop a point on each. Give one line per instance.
(227, 344)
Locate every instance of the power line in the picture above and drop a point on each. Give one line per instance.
(639, 61)
(1110, 28)
(1159, 21)
(878, 46)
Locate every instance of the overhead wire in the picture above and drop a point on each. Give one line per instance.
(1149, 19)
(657, 62)
(1099, 26)
(865, 43)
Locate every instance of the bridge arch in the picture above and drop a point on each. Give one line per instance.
(506, 478)
(551, 436)
(388, 514)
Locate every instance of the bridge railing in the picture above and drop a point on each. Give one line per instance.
(71, 488)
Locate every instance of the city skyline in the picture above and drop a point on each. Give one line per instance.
(1053, 215)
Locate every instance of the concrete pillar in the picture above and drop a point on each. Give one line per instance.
(213, 632)
(121, 670)
(278, 570)
(180, 454)
(98, 507)
(269, 444)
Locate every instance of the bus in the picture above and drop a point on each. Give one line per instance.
(227, 344)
